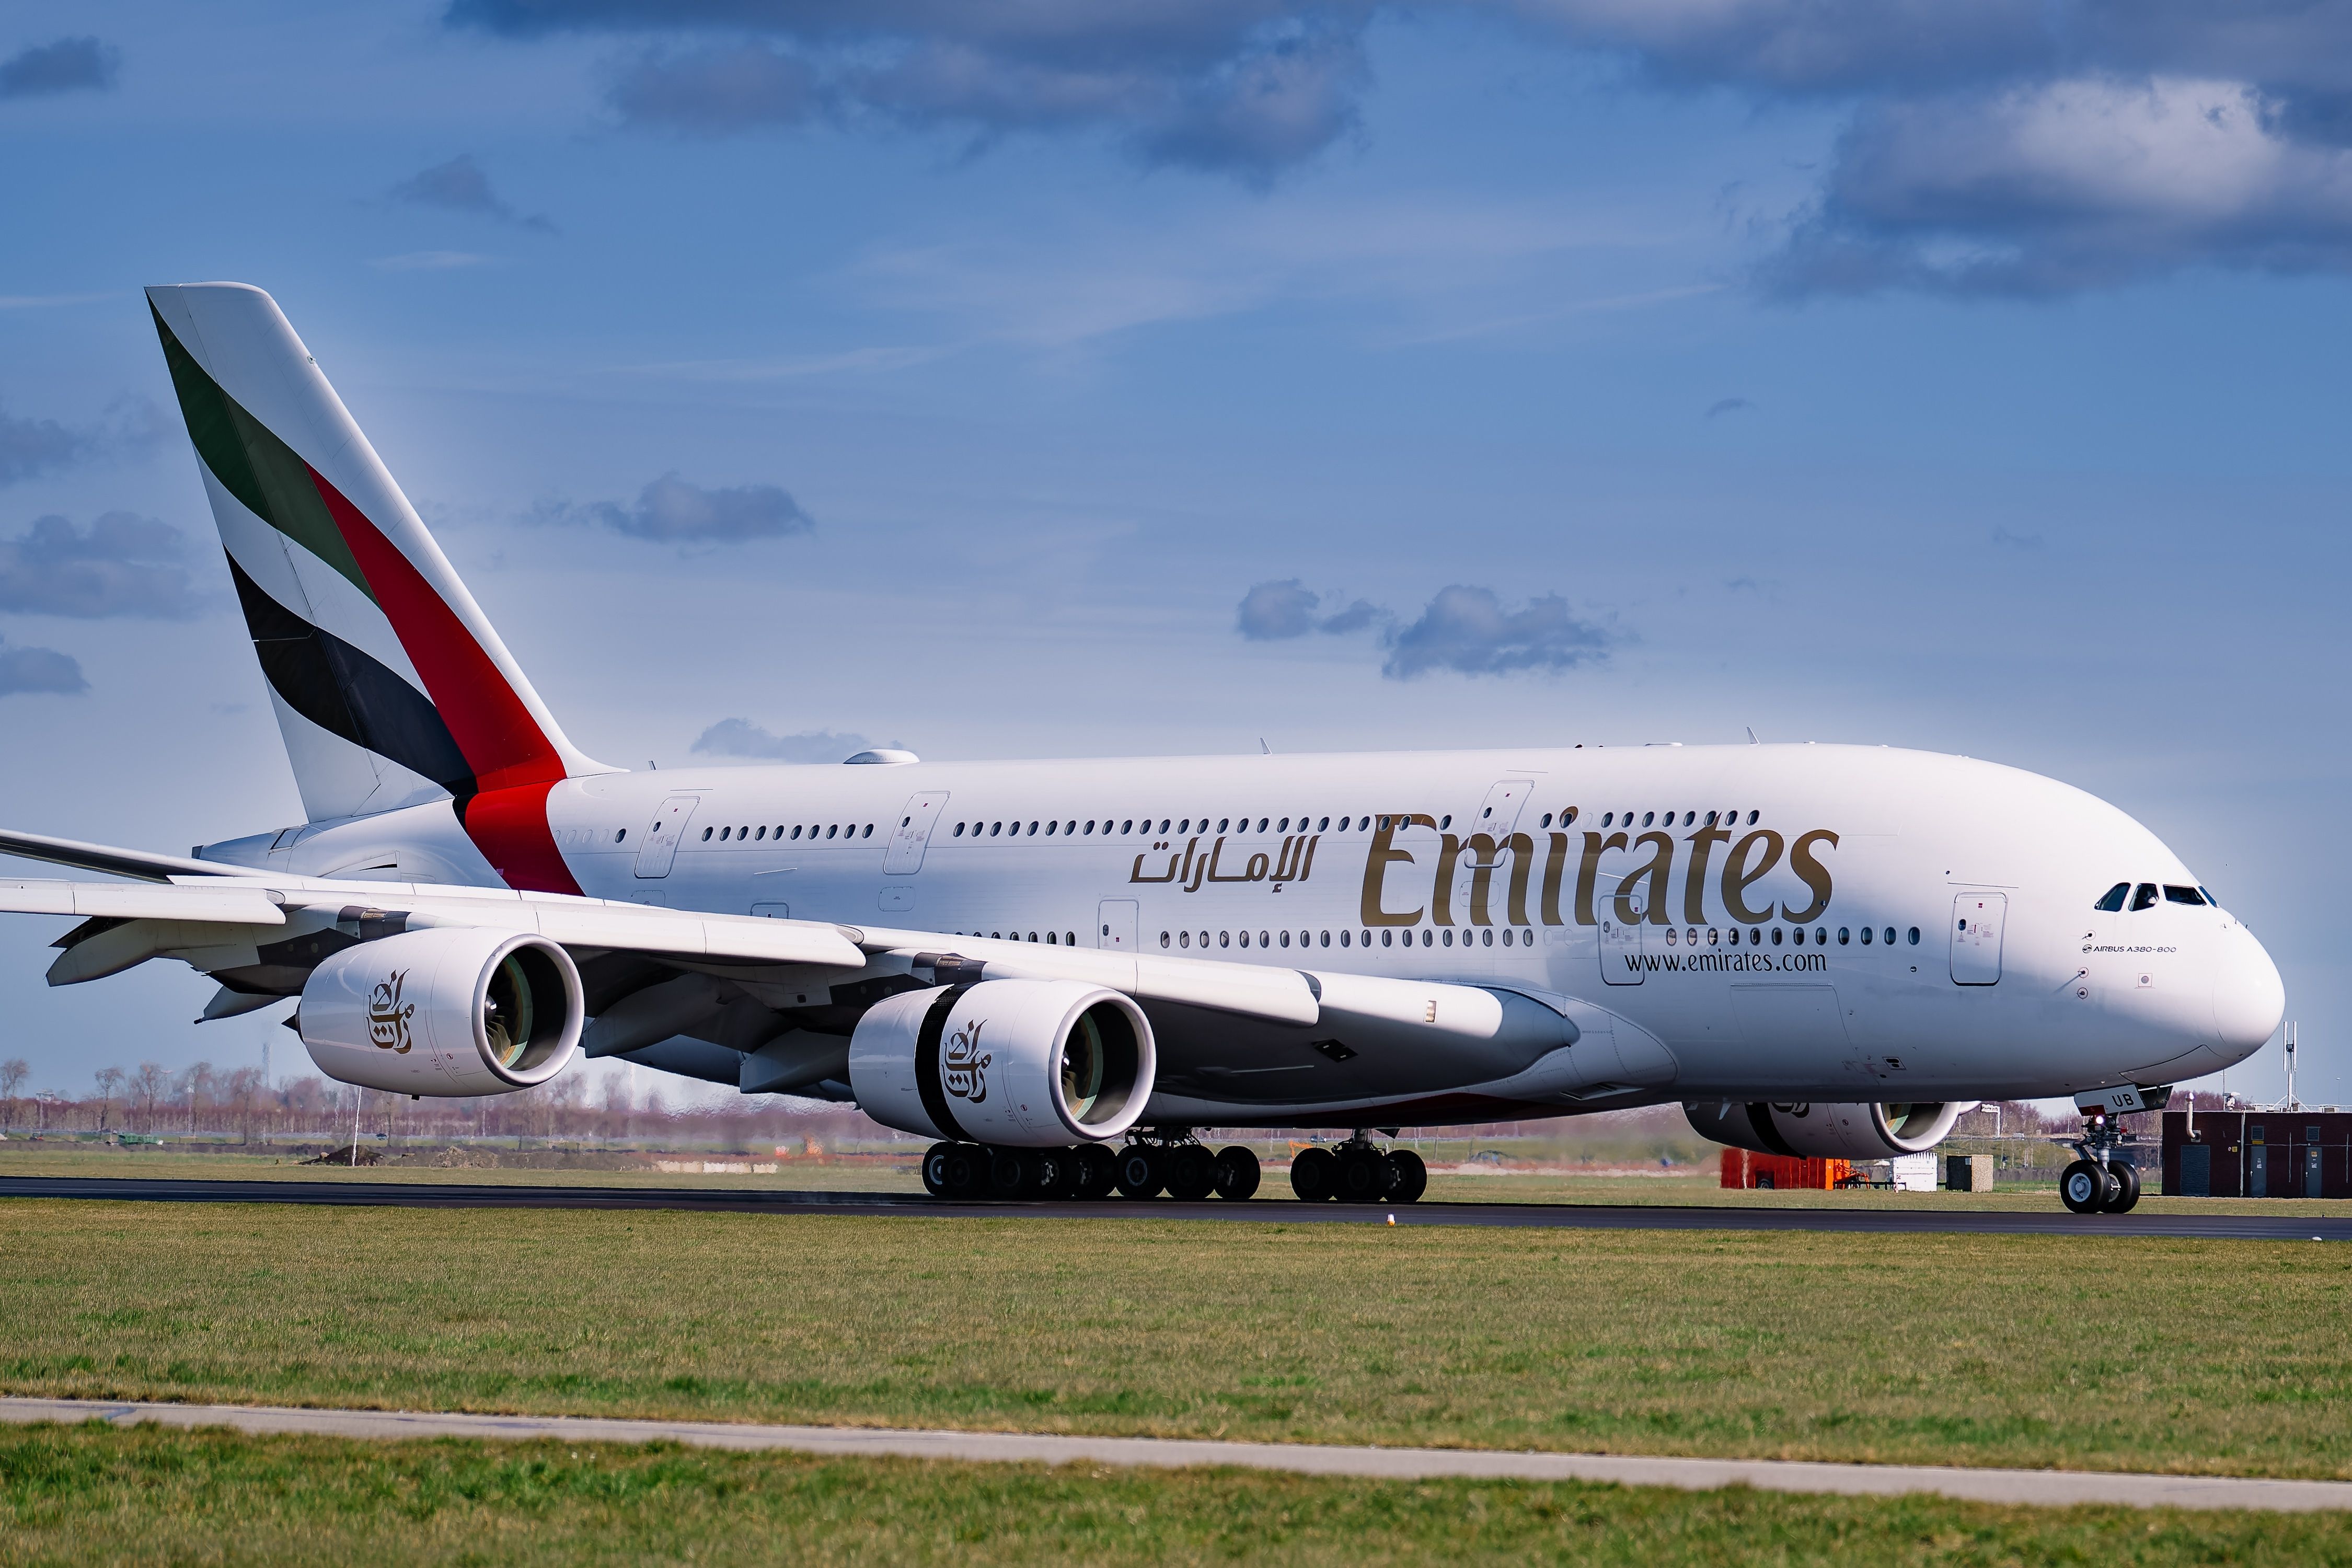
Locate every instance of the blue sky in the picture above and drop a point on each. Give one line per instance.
(1958, 376)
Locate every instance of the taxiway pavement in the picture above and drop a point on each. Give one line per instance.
(2055, 1221)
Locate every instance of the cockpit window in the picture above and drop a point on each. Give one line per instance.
(2210, 897)
(2173, 895)
(2113, 900)
(2144, 898)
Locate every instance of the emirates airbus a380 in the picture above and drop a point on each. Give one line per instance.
(1059, 969)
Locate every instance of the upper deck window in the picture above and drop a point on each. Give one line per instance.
(2112, 899)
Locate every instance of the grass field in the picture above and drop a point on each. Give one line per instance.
(83, 1495)
(2227, 1357)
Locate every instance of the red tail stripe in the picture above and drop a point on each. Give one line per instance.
(501, 742)
(513, 762)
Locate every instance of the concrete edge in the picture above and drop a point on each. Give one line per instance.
(2042, 1487)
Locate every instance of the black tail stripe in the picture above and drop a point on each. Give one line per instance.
(927, 1064)
(348, 693)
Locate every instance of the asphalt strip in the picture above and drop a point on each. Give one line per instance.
(2045, 1488)
(2330, 1225)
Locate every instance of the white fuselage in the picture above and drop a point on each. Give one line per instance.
(1793, 922)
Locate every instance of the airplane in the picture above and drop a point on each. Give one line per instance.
(1060, 970)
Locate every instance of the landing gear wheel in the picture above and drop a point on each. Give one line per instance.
(2124, 1197)
(1050, 1173)
(963, 1173)
(1012, 1172)
(2084, 1186)
(1096, 1170)
(1237, 1174)
(1314, 1174)
(1141, 1171)
(935, 1169)
(1408, 1178)
(1192, 1173)
(1363, 1174)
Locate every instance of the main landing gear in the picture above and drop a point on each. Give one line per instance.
(1358, 1171)
(1152, 1162)
(2102, 1181)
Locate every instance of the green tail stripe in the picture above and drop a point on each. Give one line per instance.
(253, 465)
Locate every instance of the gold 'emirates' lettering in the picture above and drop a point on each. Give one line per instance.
(1811, 872)
(1739, 876)
(1383, 854)
(1658, 873)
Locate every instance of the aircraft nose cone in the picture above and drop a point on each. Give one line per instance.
(2249, 997)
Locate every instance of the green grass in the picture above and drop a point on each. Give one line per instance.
(91, 1495)
(2215, 1357)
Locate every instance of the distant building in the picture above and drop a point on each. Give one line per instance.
(2258, 1154)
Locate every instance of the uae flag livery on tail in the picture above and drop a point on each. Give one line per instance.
(390, 686)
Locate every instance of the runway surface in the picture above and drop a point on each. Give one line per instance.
(2049, 1488)
(2054, 1221)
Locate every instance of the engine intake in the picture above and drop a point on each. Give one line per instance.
(1872, 1130)
(447, 1012)
(1023, 1063)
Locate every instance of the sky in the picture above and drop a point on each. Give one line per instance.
(1069, 377)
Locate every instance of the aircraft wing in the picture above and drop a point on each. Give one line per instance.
(141, 864)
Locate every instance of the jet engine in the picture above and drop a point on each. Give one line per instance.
(1021, 1063)
(450, 1011)
(1872, 1130)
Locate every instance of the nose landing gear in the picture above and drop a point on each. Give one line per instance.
(2104, 1181)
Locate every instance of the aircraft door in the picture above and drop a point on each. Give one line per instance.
(1497, 819)
(660, 847)
(1977, 920)
(1115, 925)
(1620, 944)
(913, 833)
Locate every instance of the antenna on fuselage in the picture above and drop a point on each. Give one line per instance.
(1751, 736)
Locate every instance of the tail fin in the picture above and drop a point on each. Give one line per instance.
(391, 687)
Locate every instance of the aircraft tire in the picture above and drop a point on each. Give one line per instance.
(2124, 1195)
(935, 1169)
(1097, 1172)
(1363, 1175)
(1012, 1172)
(1408, 1177)
(1237, 1173)
(1142, 1170)
(1192, 1173)
(963, 1174)
(1314, 1174)
(2083, 1187)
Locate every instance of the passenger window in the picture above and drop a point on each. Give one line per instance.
(1091, 824)
(833, 829)
(1914, 936)
(1866, 936)
(2112, 900)
(1261, 825)
(1127, 827)
(706, 836)
(2173, 895)
(2144, 898)
(619, 834)
(1890, 936)
(1049, 828)
(1163, 939)
(1324, 826)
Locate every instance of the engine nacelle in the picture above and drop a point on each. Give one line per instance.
(448, 1012)
(1025, 1063)
(1872, 1130)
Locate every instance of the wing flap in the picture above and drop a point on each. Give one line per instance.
(235, 903)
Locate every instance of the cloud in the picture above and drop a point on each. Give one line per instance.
(70, 64)
(1722, 406)
(671, 511)
(1273, 611)
(1467, 630)
(460, 185)
(39, 669)
(2066, 185)
(123, 566)
(28, 446)
(2026, 147)
(1242, 87)
(742, 738)
(2016, 540)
